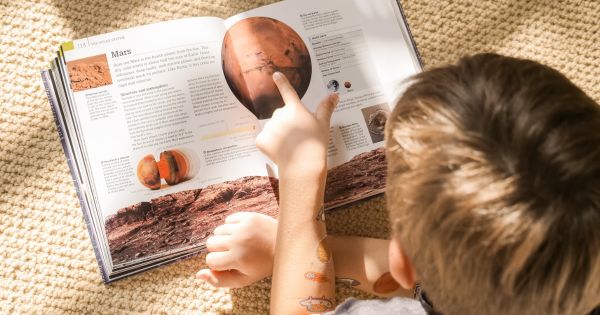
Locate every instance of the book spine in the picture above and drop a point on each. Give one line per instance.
(410, 35)
(60, 127)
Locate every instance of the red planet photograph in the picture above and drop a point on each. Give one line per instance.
(253, 49)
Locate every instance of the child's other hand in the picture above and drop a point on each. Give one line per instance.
(241, 251)
(296, 139)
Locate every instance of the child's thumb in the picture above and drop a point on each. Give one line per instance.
(325, 109)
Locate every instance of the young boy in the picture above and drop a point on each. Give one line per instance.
(493, 191)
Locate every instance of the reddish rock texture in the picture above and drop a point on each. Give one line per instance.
(358, 178)
(189, 217)
(185, 218)
(89, 73)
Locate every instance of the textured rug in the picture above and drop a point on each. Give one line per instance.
(46, 260)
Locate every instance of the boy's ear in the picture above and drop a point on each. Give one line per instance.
(401, 267)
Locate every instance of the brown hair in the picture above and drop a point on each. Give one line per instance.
(494, 187)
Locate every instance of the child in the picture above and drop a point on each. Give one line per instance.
(493, 191)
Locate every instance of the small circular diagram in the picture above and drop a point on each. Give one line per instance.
(333, 86)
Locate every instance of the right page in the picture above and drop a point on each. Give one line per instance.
(360, 49)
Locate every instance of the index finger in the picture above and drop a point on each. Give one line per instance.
(288, 93)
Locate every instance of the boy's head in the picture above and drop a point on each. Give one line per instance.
(494, 188)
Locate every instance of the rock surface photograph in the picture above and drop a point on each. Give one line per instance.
(363, 176)
(89, 73)
(185, 218)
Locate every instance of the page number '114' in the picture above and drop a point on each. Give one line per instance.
(81, 44)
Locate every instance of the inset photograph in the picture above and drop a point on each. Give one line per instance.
(89, 73)
(173, 166)
(255, 48)
(364, 175)
(183, 219)
(375, 118)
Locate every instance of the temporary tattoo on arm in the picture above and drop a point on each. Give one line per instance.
(321, 215)
(385, 284)
(317, 304)
(348, 281)
(323, 252)
(316, 277)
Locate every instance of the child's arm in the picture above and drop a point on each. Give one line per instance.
(242, 251)
(303, 271)
(363, 263)
(296, 140)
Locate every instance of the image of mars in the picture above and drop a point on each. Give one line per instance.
(253, 49)
(89, 73)
(375, 118)
(185, 218)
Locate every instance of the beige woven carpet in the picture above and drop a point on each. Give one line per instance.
(47, 265)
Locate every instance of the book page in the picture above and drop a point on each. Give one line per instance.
(357, 48)
(171, 151)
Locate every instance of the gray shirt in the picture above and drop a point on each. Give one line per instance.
(393, 306)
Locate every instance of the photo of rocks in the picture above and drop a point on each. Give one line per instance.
(185, 218)
(361, 177)
(89, 73)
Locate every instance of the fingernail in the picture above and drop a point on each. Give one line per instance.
(277, 76)
(201, 276)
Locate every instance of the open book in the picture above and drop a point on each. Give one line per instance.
(158, 122)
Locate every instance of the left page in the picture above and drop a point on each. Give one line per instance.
(168, 152)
